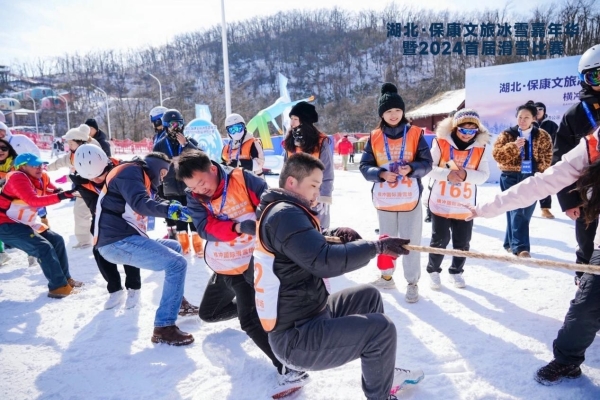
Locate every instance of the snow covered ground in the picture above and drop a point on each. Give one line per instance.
(482, 342)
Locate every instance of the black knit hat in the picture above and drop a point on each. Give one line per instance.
(389, 98)
(306, 112)
(91, 122)
(540, 104)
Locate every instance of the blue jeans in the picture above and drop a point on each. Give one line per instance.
(517, 221)
(48, 247)
(155, 255)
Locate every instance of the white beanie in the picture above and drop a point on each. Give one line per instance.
(3, 126)
(82, 133)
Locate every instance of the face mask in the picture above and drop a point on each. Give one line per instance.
(298, 138)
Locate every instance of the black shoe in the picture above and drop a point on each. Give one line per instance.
(428, 219)
(554, 373)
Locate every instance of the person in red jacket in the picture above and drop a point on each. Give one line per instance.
(26, 189)
(345, 148)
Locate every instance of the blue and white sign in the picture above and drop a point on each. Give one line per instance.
(208, 137)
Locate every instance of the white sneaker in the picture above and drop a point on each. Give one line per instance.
(4, 258)
(381, 283)
(458, 280)
(114, 299)
(405, 377)
(436, 282)
(32, 261)
(133, 298)
(82, 245)
(289, 382)
(412, 293)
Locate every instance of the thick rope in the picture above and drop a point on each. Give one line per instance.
(530, 262)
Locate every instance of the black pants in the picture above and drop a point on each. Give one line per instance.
(351, 158)
(582, 321)
(218, 303)
(442, 229)
(180, 225)
(111, 274)
(242, 287)
(546, 203)
(585, 240)
(352, 326)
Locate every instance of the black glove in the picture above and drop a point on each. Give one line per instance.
(345, 234)
(248, 227)
(391, 246)
(68, 194)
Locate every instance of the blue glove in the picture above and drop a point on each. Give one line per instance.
(178, 212)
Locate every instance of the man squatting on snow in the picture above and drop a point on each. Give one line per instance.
(309, 329)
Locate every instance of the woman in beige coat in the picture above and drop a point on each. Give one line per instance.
(76, 137)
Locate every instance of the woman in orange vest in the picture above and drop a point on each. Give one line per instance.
(304, 137)
(395, 158)
(7, 158)
(460, 162)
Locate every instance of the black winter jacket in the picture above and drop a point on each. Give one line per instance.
(574, 125)
(89, 197)
(303, 257)
(101, 138)
(171, 186)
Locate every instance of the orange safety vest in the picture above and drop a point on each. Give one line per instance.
(233, 257)
(316, 153)
(266, 283)
(404, 194)
(447, 200)
(23, 213)
(137, 221)
(244, 151)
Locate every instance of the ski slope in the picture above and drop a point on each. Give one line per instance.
(482, 342)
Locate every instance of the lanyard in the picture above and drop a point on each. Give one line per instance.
(158, 137)
(589, 115)
(387, 146)
(223, 199)
(170, 150)
(466, 159)
(530, 146)
(237, 157)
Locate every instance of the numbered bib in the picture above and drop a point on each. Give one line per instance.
(448, 200)
(402, 195)
(230, 258)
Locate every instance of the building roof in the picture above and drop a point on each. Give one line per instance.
(440, 104)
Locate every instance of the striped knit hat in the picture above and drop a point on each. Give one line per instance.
(464, 116)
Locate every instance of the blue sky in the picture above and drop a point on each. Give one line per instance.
(45, 28)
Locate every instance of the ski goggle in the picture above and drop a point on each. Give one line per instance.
(175, 125)
(591, 77)
(235, 128)
(468, 131)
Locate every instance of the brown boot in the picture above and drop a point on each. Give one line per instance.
(524, 254)
(187, 308)
(547, 214)
(171, 335)
(61, 292)
(197, 244)
(74, 283)
(184, 241)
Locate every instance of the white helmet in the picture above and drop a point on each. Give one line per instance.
(234, 119)
(590, 59)
(157, 113)
(90, 161)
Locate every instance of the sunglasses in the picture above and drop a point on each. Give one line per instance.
(3, 148)
(592, 77)
(235, 128)
(540, 109)
(468, 131)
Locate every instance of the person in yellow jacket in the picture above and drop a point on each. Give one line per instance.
(75, 137)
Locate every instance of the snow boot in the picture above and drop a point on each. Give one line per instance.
(133, 298)
(187, 308)
(61, 292)
(171, 335)
(458, 281)
(555, 372)
(289, 381)
(435, 281)
(74, 283)
(184, 241)
(114, 299)
(412, 293)
(547, 214)
(197, 244)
